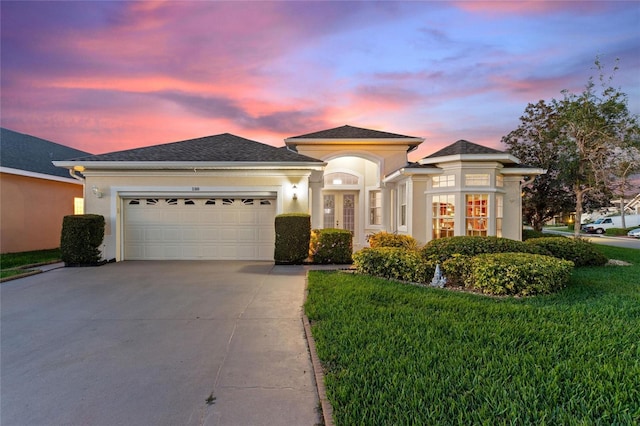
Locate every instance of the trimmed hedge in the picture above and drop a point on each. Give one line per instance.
(527, 234)
(580, 252)
(331, 245)
(442, 249)
(81, 238)
(521, 274)
(385, 239)
(618, 231)
(293, 234)
(395, 263)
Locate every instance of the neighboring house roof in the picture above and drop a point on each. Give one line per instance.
(27, 153)
(350, 132)
(208, 150)
(465, 150)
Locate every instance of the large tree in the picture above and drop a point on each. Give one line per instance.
(534, 142)
(580, 132)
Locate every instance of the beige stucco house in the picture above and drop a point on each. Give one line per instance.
(216, 197)
(34, 194)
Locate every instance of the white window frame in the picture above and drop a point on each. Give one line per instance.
(377, 206)
(444, 181)
(402, 206)
(477, 179)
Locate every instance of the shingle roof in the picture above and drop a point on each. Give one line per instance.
(218, 148)
(350, 132)
(464, 147)
(32, 154)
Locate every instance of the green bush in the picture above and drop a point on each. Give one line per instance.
(580, 252)
(571, 227)
(457, 270)
(521, 274)
(393, 263)
(442, 249)
(527, 234)
(331, 246)
(81, 236)
(293, 233)
(618, 231)
(385, 239)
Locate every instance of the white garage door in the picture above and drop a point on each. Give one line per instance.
(199, 228)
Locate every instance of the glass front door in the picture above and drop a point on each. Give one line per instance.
(340, 210)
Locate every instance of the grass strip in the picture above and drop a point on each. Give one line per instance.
(17, 264)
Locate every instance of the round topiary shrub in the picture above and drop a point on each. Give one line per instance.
(580, 252)
(442, 249)
(521, 274)
(385, 239)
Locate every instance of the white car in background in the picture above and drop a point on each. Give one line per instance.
(634, 233)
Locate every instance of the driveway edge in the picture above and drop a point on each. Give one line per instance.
(325, 405)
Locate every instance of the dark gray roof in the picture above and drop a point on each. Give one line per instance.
(464, 147)
(32, 154)
(218, 148)
(350, 132)
(420, 166)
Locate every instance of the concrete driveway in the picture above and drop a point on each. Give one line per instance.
(157, 343)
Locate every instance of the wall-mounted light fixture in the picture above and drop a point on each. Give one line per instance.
(295, 192)
(96, 191)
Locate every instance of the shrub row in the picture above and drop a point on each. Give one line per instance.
(618, 231)
(296, 242)
(442, 249)
(489, 264)
(580, 252)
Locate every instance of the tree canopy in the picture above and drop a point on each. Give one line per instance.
(574, 139)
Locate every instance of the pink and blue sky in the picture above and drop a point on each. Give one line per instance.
(106, 76)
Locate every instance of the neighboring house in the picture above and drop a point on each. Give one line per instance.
(34, 194)
(216, 197)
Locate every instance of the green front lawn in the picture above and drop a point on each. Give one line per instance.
(13, 263)
(396, 354)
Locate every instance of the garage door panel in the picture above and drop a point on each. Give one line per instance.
(225, 229)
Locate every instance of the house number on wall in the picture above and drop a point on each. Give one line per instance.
(195, 188)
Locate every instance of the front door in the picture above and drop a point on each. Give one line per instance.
(340, 210)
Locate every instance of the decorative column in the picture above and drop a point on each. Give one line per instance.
(316, 183)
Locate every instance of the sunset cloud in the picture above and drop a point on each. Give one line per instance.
(103, 76)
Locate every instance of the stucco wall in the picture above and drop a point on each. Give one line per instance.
(32, 210)
(188, 183)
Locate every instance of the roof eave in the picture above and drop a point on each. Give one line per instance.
(523, 171)
(27, 173)
(353, 141)
(501, 158)
(188, 165)
(408, 171)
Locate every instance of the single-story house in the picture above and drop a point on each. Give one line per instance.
(34, 194)
(216, 197)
